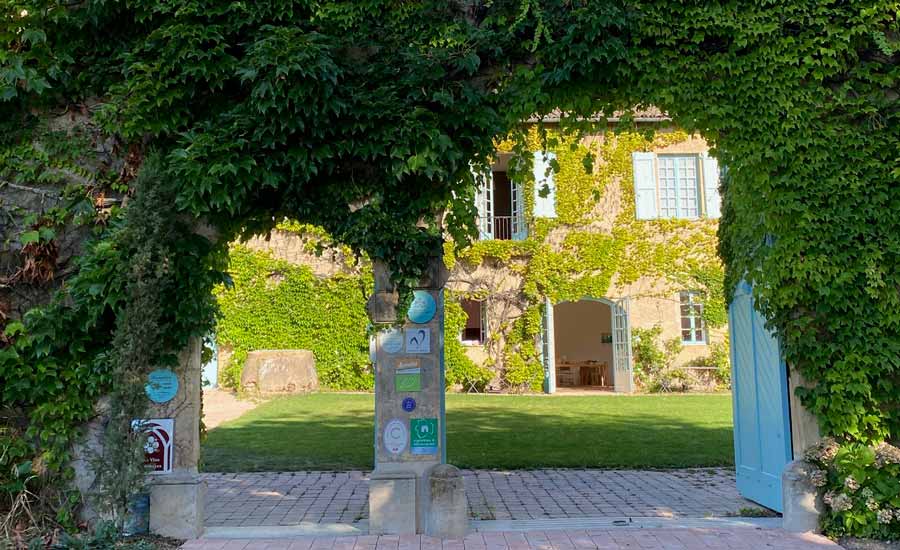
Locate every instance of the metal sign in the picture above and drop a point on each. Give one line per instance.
(418, 340)
(408, 379)
(409, 404)
(392, 340)
(423, 436)
(158, 446)
(162, 386)
(422, 308)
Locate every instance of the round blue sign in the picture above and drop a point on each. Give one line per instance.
(422, 308)
(162, 385)
(409, 404)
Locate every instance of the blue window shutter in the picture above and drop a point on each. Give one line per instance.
(544, 207)
(711, 187)
(644, 186)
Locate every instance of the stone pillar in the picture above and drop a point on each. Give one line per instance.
(177, 497)
(410, 432)
(804, 424)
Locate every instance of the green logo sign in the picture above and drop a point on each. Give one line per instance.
(423, 434)
(408, 380)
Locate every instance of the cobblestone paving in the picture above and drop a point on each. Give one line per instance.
(256, 499)
(671, 539)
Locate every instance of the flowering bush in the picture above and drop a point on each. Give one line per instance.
(861, 487)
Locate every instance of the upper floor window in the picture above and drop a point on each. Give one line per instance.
(473, 333)
(501, 210)
(501, 201)
(676, 186)
(679, 187)
(693, 327)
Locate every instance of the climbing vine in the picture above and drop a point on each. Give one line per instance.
(272, 304)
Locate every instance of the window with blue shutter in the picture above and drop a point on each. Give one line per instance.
(679, 187)
(668, 186)
(484, 203)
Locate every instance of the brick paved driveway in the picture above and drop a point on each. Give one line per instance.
(672, 539)
(259, 499)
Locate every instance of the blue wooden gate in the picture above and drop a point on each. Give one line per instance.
(762, 425)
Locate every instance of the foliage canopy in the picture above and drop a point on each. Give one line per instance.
(365, 117)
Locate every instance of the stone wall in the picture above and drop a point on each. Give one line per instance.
(300, 249)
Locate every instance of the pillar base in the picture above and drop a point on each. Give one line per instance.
(177, 507)
(802, 504)
(447, 515)
(392, 503)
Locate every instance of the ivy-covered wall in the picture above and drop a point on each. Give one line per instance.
(595, 247)
(276, 304)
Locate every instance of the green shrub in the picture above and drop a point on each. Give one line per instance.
(862, 488)
(719, 358)
(652, 361)
(276, 305)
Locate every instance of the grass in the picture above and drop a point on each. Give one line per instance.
(334, 431)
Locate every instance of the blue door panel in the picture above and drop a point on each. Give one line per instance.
(762, 446)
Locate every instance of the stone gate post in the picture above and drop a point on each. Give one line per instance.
(410, 427)
(177, 494)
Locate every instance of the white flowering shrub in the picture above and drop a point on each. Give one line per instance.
(861, 488)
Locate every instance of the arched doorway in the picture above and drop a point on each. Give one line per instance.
(586, 345)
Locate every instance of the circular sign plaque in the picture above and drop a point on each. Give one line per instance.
(162, 385)
(409, 404)
(392, 341)
(395, 436)
(422, 308)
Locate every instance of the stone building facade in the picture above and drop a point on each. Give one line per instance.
(582, 248)
(573, 263)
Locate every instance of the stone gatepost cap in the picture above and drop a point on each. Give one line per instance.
(445, 471)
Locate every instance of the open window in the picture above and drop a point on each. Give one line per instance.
(501, 201)
(473, 333)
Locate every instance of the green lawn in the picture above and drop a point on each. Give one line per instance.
(334, 431)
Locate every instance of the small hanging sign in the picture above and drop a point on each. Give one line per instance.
(158, 446)
(422, 308)
(162, 386)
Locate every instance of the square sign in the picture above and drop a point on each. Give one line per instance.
(423, 436)
(418, 340)
(408, 380)
(158, 446)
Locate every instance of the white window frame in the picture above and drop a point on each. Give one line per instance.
(678, 164)
(696, 319)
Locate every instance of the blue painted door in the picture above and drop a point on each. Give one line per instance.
(762, 426)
